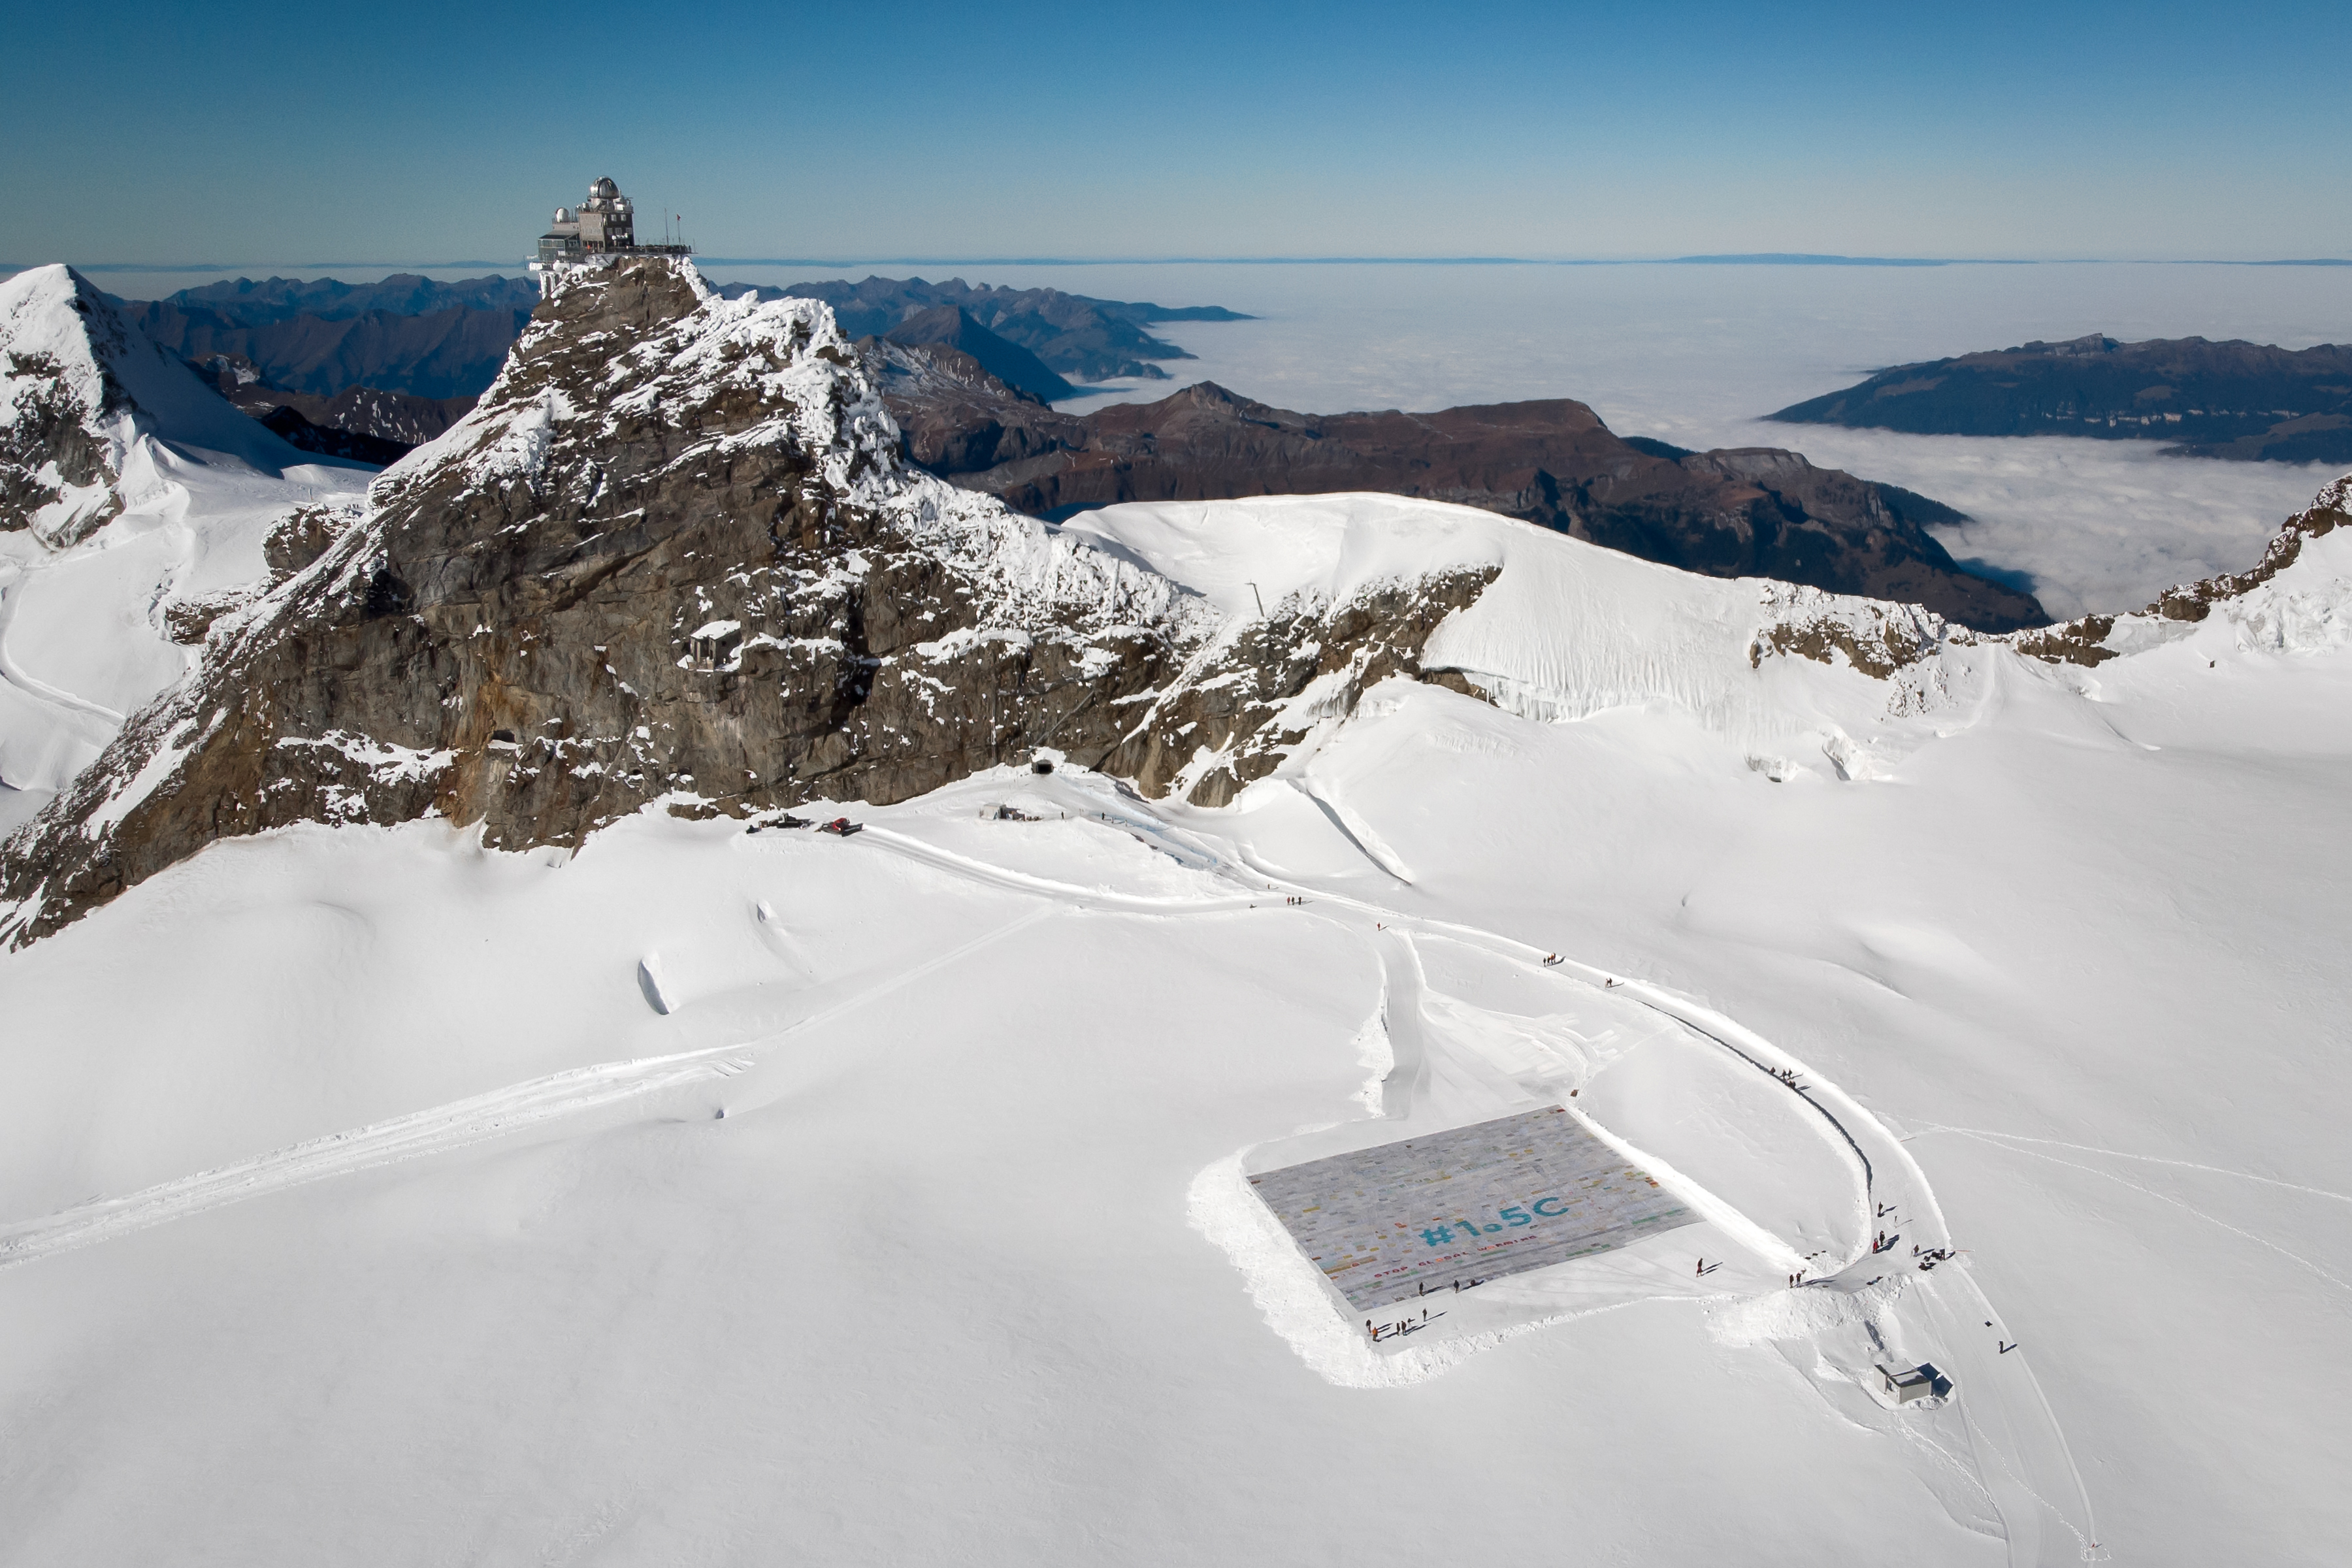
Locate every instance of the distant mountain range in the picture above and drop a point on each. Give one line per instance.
(1091, 339)
(397, 361)
(1806, 258)
(358, 372)
(361, 423)
(1750, 511)
(2238, 400)
(329, 298)
(406, 333)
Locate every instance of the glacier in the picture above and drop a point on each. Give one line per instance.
(358, 1201)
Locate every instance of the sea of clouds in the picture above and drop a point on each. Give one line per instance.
(1693, 355)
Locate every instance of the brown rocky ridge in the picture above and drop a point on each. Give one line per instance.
(1738, 512)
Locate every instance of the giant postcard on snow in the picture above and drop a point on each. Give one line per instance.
(1466, 1204)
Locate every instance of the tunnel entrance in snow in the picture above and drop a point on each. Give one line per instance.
(1445, 1210)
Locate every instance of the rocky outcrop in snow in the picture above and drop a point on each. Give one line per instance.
(2286, 617)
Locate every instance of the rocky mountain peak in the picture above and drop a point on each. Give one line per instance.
(673, 558)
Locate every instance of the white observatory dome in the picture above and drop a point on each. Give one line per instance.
(563, 214)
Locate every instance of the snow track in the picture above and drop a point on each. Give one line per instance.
(1999, 1434)
(2020, 1456)
(32, 686)
(983, 872)
(436, 1131)
(410, 1136)
(1989, 1135)
(2316, 1268)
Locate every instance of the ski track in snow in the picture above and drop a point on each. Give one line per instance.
(32, 686)
(2143, 1158)
(2293, 1257)
(409, 1137)
(577, 1090)
(1896, 1174)
(436, 1131)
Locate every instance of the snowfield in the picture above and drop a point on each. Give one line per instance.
(714, 1195)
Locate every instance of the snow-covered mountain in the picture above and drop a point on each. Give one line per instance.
(673, 556)
(85, 400)
(131, 496)
(708, 1184)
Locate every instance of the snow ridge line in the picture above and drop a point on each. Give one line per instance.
(436, 1129)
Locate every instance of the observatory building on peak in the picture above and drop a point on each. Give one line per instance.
(597, 233)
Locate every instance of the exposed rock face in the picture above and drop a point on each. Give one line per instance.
(52, 459)
(1878, 644)
(673, 557)
(290, 425)
(1270, 686)
(389, 415)
(953, 417)
(1754, 511)
(2213, 400)
(57, 464)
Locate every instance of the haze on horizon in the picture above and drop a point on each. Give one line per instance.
(235, 132)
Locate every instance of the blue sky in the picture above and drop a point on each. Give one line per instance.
(241, 133)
